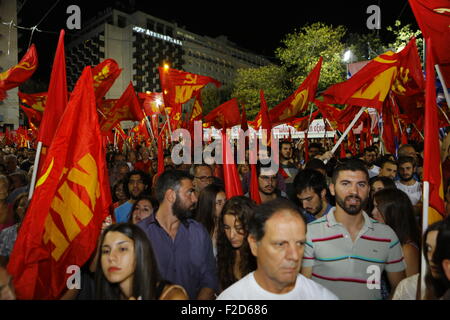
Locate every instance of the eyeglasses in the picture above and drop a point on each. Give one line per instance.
(205, 178)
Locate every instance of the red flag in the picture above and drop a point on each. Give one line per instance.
(160, 155)
(297, 103)
(370, 86)
(254, 185)
(432, 170)
(233, 185)
(37, 101)
(34, 117)
(57, 96)
(69, 204)
(224, 116)
(104, 75)
(20, 73)
(179, 87)
(152, 102)
(244, 123)
(197, 108)
(126, 108)
(433, 18)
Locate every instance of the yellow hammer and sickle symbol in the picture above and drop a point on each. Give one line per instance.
(190, 79)
(25, 65)
(177, 116)
(4, 75)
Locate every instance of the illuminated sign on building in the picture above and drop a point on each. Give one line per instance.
(157, 35)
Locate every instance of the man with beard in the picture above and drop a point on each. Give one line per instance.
(346, 251)
(136, 184)
(182, 246)
(267, 183)
(370, 155)
(286, 161)
(407, 183)
(311, 190)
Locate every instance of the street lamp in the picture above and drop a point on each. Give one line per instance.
(347, 56)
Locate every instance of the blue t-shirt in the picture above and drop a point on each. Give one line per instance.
(122, 212)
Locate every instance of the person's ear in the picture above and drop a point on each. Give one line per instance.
(332, 191)
(170, 196)
(446, 267)
(253, 244)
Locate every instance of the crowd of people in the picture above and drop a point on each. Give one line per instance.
(327, 227)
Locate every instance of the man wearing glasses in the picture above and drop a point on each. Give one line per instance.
(268, 183)
(203, 177)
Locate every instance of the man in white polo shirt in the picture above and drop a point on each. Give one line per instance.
(277, 239)
(345, 250)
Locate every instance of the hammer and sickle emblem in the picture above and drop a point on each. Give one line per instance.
(190, 79)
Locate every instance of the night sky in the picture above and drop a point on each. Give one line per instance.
(256, 26)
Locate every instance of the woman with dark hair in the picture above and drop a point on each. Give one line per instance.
(437, 250)
(376, 184)
(234, 257)
(393, 207)
(143, 208)
(209, 207)
(8, 236)
(127, 269)
(118, 193)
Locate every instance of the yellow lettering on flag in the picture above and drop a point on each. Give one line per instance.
(53, 234)
(70, 207)
(184, 93)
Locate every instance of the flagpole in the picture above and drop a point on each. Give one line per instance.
(35, 170)
(168, 121)
(341, 139)
(148, 125)
(426, 198)
(444, 87)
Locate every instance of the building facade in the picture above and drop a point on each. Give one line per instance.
(140, 43)
(9, 108)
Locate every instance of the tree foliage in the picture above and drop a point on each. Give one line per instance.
(271, 79)
(301, 51)
(402, 35)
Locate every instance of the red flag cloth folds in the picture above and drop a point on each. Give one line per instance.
(160, 155)
(104, 75)
(432, 170)
(179, 87)
(70, 202)
(400, 72)
(433, 18)
(297, 103)
(20, 73)
(57, 96)
(126, 108)
(34, 117)
(37, 101)
(224, 116)
(233, 185)
(254, 185)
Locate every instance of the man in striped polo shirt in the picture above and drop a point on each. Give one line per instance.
(346, 251)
